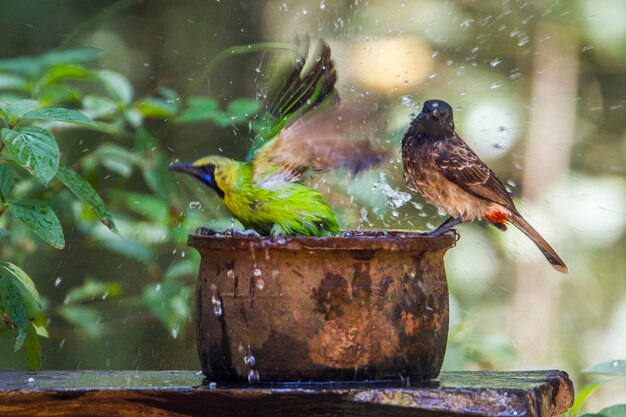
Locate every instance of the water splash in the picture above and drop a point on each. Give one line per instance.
(217, 305)
(253, 376)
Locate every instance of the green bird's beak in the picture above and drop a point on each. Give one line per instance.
(186, 168)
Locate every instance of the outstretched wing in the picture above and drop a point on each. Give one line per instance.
(319, 141)
(460, 165)
(309, 132)
(296, 92)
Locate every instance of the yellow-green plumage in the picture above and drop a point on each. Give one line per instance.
(299, 135)
(282, 208)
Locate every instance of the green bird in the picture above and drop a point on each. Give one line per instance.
(303, 132)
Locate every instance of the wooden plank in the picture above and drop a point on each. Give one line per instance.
(182, 393)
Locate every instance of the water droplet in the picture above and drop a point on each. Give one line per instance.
(257, 272)
(249, 360)
(496, 84)
(217, 305)
(407, 101)
(212, 385)
(260, 283)
(105, 295)
(322, 5)
(30, 381)
(174, 332)
(253, 376)
(397, 198)
(494, 62)
(217, 309)
(157, 288)
(230, 273)
(305, 11)
(616, 364)
(194, 205)
(57, 281)
(523, 40)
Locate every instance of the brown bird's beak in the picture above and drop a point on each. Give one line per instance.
(184, 167)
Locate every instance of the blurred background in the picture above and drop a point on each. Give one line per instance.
(539, 92)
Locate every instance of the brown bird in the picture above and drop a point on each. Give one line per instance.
(443, 168)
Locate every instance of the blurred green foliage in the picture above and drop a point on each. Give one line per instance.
(614, 368)
(31, 89)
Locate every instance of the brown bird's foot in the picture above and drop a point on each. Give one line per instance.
(445, 226)
(205, 231)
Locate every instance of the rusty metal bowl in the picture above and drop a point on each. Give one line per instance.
(363, 306)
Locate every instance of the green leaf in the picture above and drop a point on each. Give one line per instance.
(618, 410)
(91, 290)
(21, 278)
(144, 141)
(35, 149)
(243, 108)
(169, 94)
(12, 304)
(86, 319)
(156, 107)
(40, 219)
(56, 94)
(61, 72)
(85, 192)
(99, 106)
(146, 205)
(130, 248)
(156, 172)
(169, 302)
(33, 347)
(6, 181)
(204, 103)
(19, 108)
(41, 331)
(581, 396)
(118, 85)
(59, 115)
(199, 109)
(69, 56)
(14, 82)
(185, 268)
(117, 158)
(22, 65)
(32, 66)
(613, 368)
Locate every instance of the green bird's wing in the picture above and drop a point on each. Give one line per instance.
(308, 131)
(295, 92)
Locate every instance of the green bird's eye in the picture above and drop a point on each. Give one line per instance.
(206, 174)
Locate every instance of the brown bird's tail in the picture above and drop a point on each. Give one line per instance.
(545, 248)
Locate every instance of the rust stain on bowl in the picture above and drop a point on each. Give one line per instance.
(365, 305)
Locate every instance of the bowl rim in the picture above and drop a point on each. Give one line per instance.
(352, 240)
